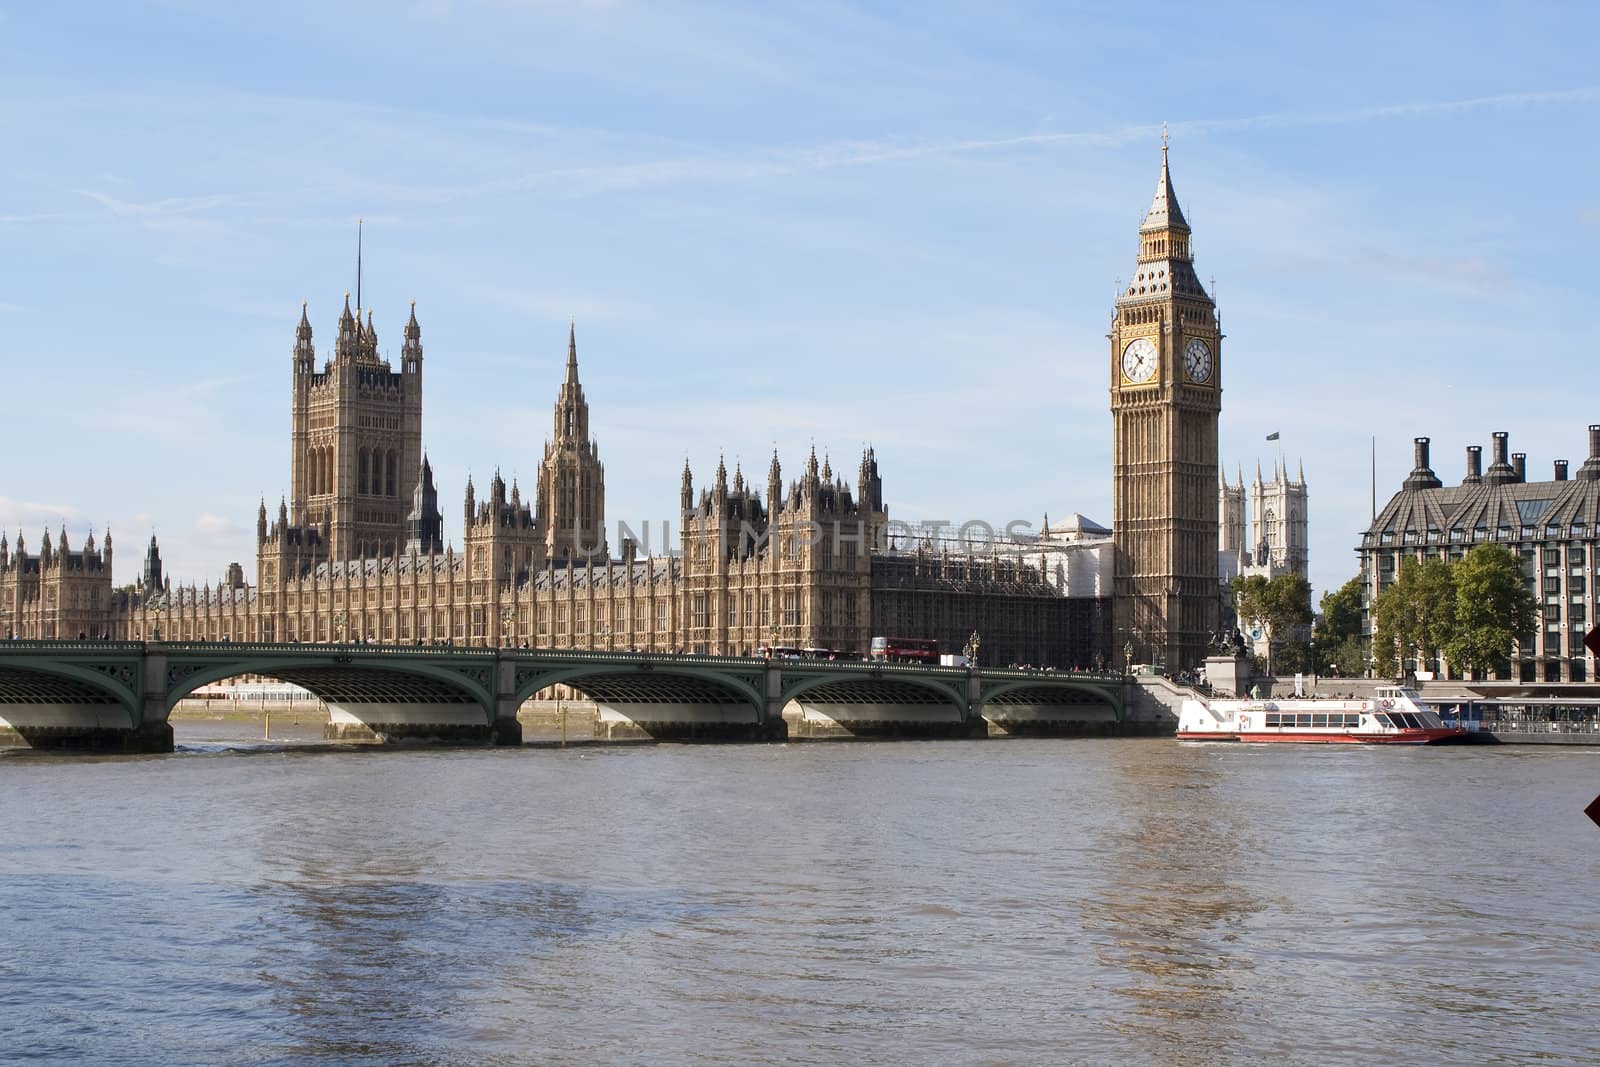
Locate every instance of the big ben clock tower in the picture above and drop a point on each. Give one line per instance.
(1166, 395)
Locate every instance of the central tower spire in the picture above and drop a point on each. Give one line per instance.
(572, 484)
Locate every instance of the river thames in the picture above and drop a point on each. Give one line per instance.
(1130, 901)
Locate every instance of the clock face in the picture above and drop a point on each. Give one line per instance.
(1139, 360)
(1197, 360)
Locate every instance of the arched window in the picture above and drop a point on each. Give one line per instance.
(388, 474)
(361, 471)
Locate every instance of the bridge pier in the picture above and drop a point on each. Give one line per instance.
(82, 737)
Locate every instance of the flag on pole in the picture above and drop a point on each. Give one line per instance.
(1273, 436)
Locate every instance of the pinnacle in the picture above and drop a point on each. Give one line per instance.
(1164, 211)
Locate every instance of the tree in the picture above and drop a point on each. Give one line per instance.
(1296, 657)
(1339, 646)
(1278, 604)
(1414, 616)
(1493, 609)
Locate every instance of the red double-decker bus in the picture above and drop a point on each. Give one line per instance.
(905, 650)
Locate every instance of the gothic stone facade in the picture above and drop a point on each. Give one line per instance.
(56, 593)
(346, 560)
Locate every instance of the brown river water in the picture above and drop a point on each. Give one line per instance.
(987, 902)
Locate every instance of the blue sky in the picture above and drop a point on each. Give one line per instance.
(774, 223)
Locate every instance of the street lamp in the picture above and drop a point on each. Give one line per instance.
(507, 614)
(970, 650)
(157, 606)
(1127, 657)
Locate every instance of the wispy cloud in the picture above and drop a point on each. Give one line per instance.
(775, 162)
(216, 526)
(28, 516)
(176, 205)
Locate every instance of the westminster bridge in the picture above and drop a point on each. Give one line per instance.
(118, 696)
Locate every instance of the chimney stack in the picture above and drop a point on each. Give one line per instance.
(1421, 476)
(1519, 466)
(1474, 465)
(1590, 471)
(1500, 471)
(1561, 470)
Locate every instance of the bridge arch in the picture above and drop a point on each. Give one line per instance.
(339, 679)
(646, 682)
(854, 686)
(1049, 690)
(66, 683)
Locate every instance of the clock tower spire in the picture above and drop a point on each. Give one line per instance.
(1166, 397)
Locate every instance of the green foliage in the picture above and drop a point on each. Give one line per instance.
(1473, 611)
(1338, 647)
(1414, 615)
(1278, 604)
(1341, 613)
(1296, 657)
(1346, 658)
(1493, 609)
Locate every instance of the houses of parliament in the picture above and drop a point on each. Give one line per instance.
(357, 550)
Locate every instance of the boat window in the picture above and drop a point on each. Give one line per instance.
(1319, 719)
(1272, 718)
(1383, 720)
(1302, 720)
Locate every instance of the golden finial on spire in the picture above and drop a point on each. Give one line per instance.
(1163, 137)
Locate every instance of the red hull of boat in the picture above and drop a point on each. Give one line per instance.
(1407, 737)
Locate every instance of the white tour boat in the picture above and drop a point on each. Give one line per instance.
(1396, 716)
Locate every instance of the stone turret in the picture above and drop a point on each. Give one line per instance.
(150, 580)
(424, 524)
